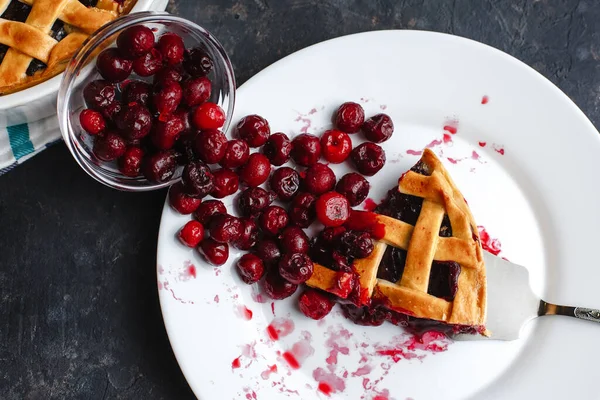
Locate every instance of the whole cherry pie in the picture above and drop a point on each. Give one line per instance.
(426, 264)
(38, 37)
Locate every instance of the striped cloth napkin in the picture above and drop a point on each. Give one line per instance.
(19, 143)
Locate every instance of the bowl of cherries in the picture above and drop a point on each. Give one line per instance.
(146, 95)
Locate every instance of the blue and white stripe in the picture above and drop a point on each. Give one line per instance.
(19, 143)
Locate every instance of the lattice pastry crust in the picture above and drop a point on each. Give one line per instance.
(423, 245)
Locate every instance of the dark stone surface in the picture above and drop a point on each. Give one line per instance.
(79, 313)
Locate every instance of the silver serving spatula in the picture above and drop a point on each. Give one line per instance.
(511, 302)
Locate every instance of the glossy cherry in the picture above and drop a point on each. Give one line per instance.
(196, 91)
(134, 121)
(130, 162)
(368, 158)
(250, 268)
(109, 147)
(137, 92)
(99, 94)
(214, 252)
(278, 148)
(226, 182)
(254, 130)
(181, 202)
(210, 146)
(315, 304)
(318, 179)
(208, 209)
(256, 171)
(293, 240)
(197, 179)
(273, 219)
(355, 244)
(160, 167)
(333, 209)
(92, 121)
(349, 117)
(253, 200)
(336, 146)
(135, 41)
(296, 268)
(378, 128)
(167, 96)
(111, 111)
(285, 182)
(306, 149)
(268, 251)
(165, 134)
(171, 47)
(169, 73)
(225, 228)
(191, 234)
(112, 66)
(148, 64)
(236, 154)
(249, 235)
(302, 211)
(355, 187)
(276, 287)
(197, 62)
(208, 116)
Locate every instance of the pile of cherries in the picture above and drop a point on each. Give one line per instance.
(161, 119)
(279, 251)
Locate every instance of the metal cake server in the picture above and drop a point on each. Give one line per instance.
(511, 303)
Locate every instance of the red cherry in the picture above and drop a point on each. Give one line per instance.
(226, 182)
(211, 146)
(192, 233)
(165, 134)
(254, 130)
(109, 147)
(336, 146)
(214, 252)
(250, 268)
(131, 161)
(296, 268)
(208, 116)
(306, 149)
(256, 171)
(135, 41)
(112, 66)
(249, 235)
(236, 154)
(276, 287)
(196, 91)
(315, 304)
(278, 148)
(92, 121)
(273, 219)
(319, 179)
(349, 118)
(225, 228)
(332, 209)
(181, 202)
(208, 209)
(171, 46)
(378, 128)
(148, 64)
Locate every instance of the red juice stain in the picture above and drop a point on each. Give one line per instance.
(414, 152)
(370, 204)
(267, 373)
(380, 397)
(216, 299)
(482, 144)
(325, 388)
(272, 332)
(273, 307)
(434, 143)
(236, 363)
(280, 327)
(451, 129)
(500, 151)
(488, 243)
(244, 313)
(475, 155)
(485, 99)
(452, 160)
(447, 138)
(366, 221)
(291, 360)
(192, 271)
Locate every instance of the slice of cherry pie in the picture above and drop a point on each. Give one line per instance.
(427, 264)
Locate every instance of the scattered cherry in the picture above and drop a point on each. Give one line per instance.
(302, 211)
(225, 228)
(171, 47)
(165, 134)
(236, 154)
(336, 146)
(210, 146)
(350, 117)
(306, 149)
(368, 158)
(134, 121)
(293, 240)
(196, 91)
(296, 268)
(197, 179)
(111, 111)
(181, 202)
(268, 251)
(285, 182)
(250, 268)
(99, 94)
(355, 187)
(276, 287)
(332, 209)
(167, 96)
(191, 234)
(208, 116)
(249, 235)
(278, 148)
(207, 209)
(254, 130)
(273, 219)
(253, 200)
(315, 304)
(137, 92)
(319, 179)
(197, 62)
(109, 147)
(365, 316)
(92, 121)
(135, 41)
(112, 66)
(160, 167)
(378, 128)
(148, 64)
(215, 253)
(226, 182)
(169, 73)
(356, 244)
(256, 171)
(131, 161)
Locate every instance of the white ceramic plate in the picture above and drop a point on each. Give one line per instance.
(527, 162)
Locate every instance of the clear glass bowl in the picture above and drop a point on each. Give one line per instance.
(82, 70)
